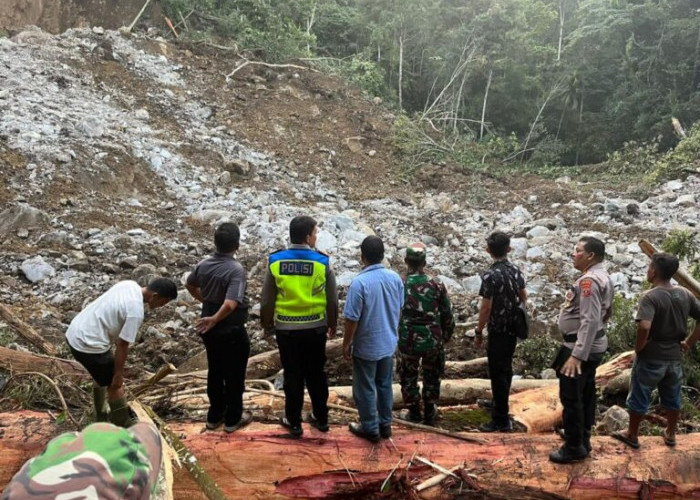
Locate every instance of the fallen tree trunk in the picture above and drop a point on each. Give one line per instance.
(474, 368)
(262, 365)
(261, 461)
(681, 275)
(20, 362)
(452, 391)
(539, 410)
(26, 331)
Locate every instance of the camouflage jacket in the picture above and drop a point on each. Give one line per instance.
(103, 461)
(426, 318)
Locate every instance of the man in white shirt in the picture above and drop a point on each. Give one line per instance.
(113, 318)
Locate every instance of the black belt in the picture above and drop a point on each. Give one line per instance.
(573, 337)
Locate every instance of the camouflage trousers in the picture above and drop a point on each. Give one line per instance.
(433, 364)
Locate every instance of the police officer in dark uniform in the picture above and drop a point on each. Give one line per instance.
(587, 307)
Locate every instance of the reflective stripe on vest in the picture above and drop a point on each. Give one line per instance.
(300, 276)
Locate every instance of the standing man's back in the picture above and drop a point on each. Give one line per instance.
(299, 301)
(372, 311)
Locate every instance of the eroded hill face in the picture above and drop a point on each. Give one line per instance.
(56, 16)
(119, 155)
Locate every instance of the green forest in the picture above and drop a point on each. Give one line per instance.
(544, 82)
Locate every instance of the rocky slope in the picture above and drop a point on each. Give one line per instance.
(119, 155)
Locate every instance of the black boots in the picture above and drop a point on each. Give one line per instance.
(430, 414)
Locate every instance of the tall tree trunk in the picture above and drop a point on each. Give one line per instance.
(696, 66)
(561, 28)
(483, 107)
(401, 71)
(309, 24)
(537, 118)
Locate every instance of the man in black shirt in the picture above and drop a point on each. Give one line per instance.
(662, 323)
(502, 290)
(219, 283)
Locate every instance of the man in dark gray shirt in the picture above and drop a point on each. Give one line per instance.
(662, 324)
(219, 283)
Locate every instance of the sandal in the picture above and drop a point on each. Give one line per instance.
(626, 439)
(669, 440)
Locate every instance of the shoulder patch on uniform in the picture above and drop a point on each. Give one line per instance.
(586, 287)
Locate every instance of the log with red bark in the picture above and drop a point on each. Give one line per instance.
(262, 461)
(539, 410)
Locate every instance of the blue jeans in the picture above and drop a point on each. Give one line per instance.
(649, 374)
(372, 391)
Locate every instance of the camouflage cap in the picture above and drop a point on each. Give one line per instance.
(415, 250)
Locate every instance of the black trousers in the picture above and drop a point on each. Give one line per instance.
(228, 349)
(303, 356)
(499, 351)
(578, 396)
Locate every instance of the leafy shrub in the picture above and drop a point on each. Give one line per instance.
(365, 74)
(537, 353)
(683, 159)
(681, 243)
(622, 328)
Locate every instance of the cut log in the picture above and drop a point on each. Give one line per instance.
(474, 368)
(261, 365)
(539, 410)
(452, 392)
(20, 362)
(681, 275)
(261, 461)
(26, 331)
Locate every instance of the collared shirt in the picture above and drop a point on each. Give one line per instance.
(587, 306)
(269, 297)
(374, 300)
(220, 277)
(502, 284)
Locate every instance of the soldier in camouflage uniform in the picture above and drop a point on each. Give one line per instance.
(103, 461)
(426, 324)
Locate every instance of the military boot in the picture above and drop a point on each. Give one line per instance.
(414, 414)
(99, 399)
(121, 414)
(430, 414)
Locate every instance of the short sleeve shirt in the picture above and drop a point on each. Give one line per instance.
(220, 278)
(116, 314)
(501, 283)
(668, 310)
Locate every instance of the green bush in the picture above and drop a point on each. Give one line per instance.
(622, 328)
(681, 160)
(681, 243)
(365, 74)
(537, 353)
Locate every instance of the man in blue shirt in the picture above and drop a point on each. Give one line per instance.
(372, 311)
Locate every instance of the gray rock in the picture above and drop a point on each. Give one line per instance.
(451, 285)
(326, 241)
(534, 253)
(472, 284)
(342, 222)
(36, 269)
(673, 185)
(620, 281)
(537, 231)
(518, 246)
(21, 216)
(614, 419)
(548, 374)
(686, 200)
(520, 212)
(142, 114)
(91, 126)
(143, 274)
(346, 278)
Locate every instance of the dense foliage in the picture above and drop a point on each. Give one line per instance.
(574, 80)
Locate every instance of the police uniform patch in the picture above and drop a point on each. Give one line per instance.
(568, 298)
(586, 287)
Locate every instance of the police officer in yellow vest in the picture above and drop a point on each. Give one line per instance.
(299, 300)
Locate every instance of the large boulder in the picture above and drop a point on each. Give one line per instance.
(21, 216)
(37, 269)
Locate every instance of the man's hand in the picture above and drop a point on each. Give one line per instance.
(204, 325)
(478, 341)
(117, 382)
(330, 334)
(347, 352)
(685, 347)
(572, 367)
